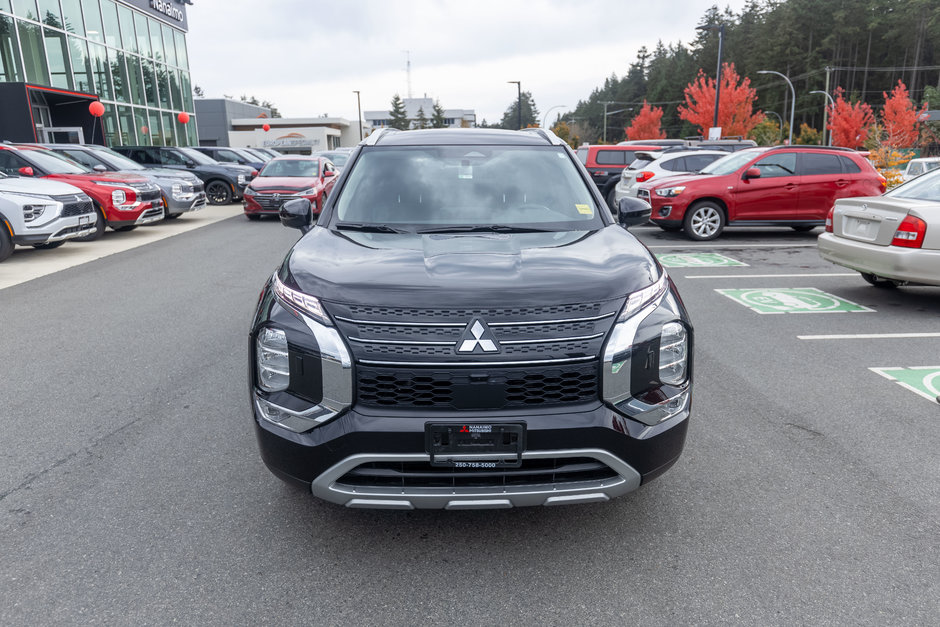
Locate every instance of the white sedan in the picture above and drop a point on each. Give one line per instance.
(892, 239)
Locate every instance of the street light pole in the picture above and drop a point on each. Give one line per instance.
(359, 108)
(550, 109)
(519, 89)
(826, 113)
(792, 104)
(721, 39)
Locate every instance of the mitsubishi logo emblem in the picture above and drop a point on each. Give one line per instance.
(277, 197)
(477, 336)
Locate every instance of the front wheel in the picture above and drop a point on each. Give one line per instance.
(126, 227)
(6, 241)
(704, 221)
(49, 245)
(218, 193)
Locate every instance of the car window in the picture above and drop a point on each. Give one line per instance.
(694, 163)
(454, 186)
(849, 166)
(674, 165)
(55, 163)
(778, 164)
(728, 164)
(142, 156)
(613, 157)
(290, 167)
(925, 187)
(10, 162)
(115, 159)
(198, 157)
(818, 163)
(227, 155)
(172, 157)
(85, 158)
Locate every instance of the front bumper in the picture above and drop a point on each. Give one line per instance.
(185, 203)
(151, 215)
(59, 230)
(914, 265)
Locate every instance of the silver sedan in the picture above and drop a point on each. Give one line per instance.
(892, 239)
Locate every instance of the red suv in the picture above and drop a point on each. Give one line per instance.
(605, 163)
(287, 178)
(122, 201)
(791, 186)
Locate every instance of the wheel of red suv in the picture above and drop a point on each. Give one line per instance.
(49, 245)
(218, 192)
(704, 221)
(6, 242)
(100, 226)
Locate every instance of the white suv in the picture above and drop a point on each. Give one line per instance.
(41, 213)
(661, 164)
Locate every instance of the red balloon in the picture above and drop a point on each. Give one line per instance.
(96, 109)
(183, 117)
(266, 127)
(144, 129)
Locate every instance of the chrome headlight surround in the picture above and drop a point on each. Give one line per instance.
(670, 192)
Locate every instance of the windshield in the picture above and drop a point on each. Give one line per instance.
(924, 187)
(54, 163)
(116, 160)
(730, 164)
(291, 167)
(198, 157)
(462, 188)
(339, 159)
(258, 154)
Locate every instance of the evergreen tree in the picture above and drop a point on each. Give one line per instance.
(398, 115)
(422, 120)
(530, 114)
(437, 116)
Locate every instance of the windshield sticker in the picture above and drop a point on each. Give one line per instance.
(585, 210)
(466, 170)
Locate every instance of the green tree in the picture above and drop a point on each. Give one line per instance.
(398, 115)
(422, 120)
(437, 116)
(530, 114)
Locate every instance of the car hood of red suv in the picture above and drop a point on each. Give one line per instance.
(96, 177)
(293, 183)
(672, 181)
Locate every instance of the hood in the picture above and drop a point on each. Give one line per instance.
(673, 180)
(261, 183)
(469, 269)
(104, 177)
(29, 185)
(166, 173)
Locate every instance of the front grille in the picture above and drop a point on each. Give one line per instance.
(272, 201)
(533, 472)
(75, 205)
(480, 389)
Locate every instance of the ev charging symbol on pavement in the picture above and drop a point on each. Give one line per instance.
(698, 260)
(792, 300)
(922, 380)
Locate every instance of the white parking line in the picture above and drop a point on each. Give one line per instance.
(28, 263)
(763, 276)
(737, 246)
(868, 336)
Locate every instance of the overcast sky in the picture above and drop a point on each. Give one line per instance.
(307, 56)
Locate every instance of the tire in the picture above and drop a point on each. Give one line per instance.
(254, 217)
(125, 228)
(670, 229)
(49, 245)
(218, 192)
(172, 216)
(6, 241)
(805, 228)
(704, 221)
(100, 226)
(611, 199)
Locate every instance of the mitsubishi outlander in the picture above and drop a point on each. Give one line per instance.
(466, 326)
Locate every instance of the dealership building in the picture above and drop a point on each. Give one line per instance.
(58, 56)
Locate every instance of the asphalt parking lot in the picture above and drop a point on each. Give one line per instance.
(131, 490)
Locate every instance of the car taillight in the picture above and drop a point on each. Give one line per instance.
(910, 233)
(882, 184)
(829, 220)
(644, 176)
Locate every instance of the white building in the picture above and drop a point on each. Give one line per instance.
(453, 118)
(296, 135)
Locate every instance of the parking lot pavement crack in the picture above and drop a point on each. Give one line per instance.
(32, 478)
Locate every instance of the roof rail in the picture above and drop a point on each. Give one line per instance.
(548, 135)
(373, 139)
(833, 148)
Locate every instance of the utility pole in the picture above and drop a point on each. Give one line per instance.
(519, 106)
(359, 108)
(408, 70)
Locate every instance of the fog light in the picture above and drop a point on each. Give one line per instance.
(665, 211)
(295, 421)
(273, 364)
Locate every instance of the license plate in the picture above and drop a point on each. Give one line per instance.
(475, 445)
(84, 220)
(860, 227)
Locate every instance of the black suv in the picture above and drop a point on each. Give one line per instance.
(226, 154)
(467, 327)
(225, 183)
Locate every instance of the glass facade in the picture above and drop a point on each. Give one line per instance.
(136, 64)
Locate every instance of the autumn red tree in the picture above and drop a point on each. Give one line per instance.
(646, 124)
(900, 119)
(736, 114)
(849, 122)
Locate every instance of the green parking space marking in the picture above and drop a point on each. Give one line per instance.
(922, 380)
(697, 260)
(792, 300)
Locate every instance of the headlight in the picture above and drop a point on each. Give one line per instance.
(669, 192)
(242, 179)
(309, 192)
(31, 212)
(301, 302)
(177, 189)
(118, 197)
(673, 354)
(643, 297)
(250, 191)
(272, 361)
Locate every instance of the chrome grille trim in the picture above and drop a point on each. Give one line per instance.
(477, 364)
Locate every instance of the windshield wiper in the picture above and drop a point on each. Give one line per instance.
(369, 228)
(483, 228)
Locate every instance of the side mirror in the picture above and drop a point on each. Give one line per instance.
(189, 163)
(296, 214)
(752, 173)
(632, 212)
(329, 173)
(100, 168)
(254, 173)
(26, 171)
